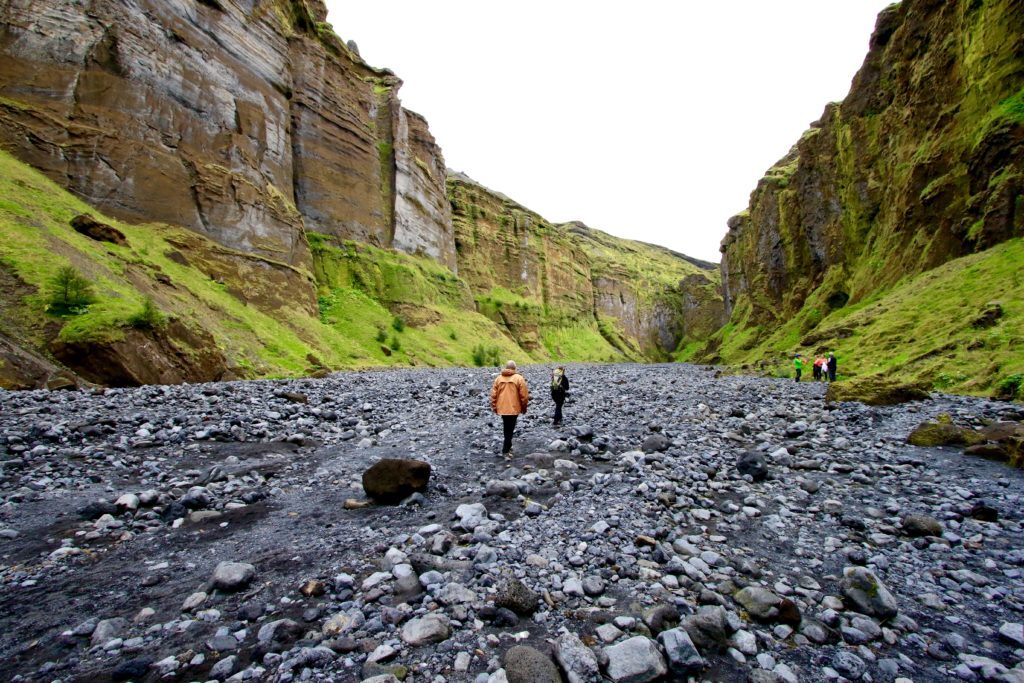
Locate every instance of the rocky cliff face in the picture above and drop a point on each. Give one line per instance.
(921, 163)
(245, 121)
(549, 276)
(283, 210)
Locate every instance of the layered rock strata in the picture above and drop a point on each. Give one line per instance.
(570, 274)
(248, 122)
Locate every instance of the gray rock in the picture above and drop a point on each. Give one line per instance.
(1014, 632)
(849, 664)
(432, 628)
(224, 668)
(108, 629)
(708, 629)
(524, 664)
(636, 660)
(867, 594)
(576, 659)
(655, 443)
(683, 657)
(233, 576)
(470, 515)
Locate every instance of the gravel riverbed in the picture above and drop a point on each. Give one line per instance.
(679, 525)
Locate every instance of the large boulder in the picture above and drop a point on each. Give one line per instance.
(94, 229)
(391, 480)
(942, 432)
(875, 391)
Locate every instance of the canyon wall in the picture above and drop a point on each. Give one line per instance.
(531, 274)
(282, 210)
(922, 162)
(248, 122)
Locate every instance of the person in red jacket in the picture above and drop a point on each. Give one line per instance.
(509, 397)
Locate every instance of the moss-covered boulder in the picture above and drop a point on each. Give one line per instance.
(875, 391)
(942, 433)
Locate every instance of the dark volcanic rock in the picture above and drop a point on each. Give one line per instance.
(94, 229)
(752, 463)
(391, 480)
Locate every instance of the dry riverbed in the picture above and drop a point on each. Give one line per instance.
(678, 525)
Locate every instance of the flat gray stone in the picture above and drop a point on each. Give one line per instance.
(637, 660)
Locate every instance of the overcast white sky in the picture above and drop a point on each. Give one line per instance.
(650, 119)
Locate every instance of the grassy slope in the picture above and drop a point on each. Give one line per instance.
(36, 239)
(921, 329)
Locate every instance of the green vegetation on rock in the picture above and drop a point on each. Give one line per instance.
(891, 231)
(939, 328)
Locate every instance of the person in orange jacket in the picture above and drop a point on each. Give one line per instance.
(509, 397)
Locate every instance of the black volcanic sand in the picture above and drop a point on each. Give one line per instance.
(248, 472)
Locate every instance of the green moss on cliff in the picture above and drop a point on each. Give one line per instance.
(958, 327)
(543, 281)
(920, 165)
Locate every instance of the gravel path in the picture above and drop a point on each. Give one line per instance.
(677, 525)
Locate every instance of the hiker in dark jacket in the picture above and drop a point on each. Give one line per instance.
(831, 366)
(559, 388)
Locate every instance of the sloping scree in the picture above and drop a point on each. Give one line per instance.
(599, 545)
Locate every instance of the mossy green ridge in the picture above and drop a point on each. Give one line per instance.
(205, 286)
(373, 306)
(938, 328)
(566, 291)
(844, 243)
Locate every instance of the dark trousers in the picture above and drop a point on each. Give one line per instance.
(798, 371)
(831, 374)
(559, 400)
(817, 372)
(509, 424)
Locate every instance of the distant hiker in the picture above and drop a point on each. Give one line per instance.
(559, 388)
(831, 365)
(798, 365)
(509, 397)
(818, 363)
